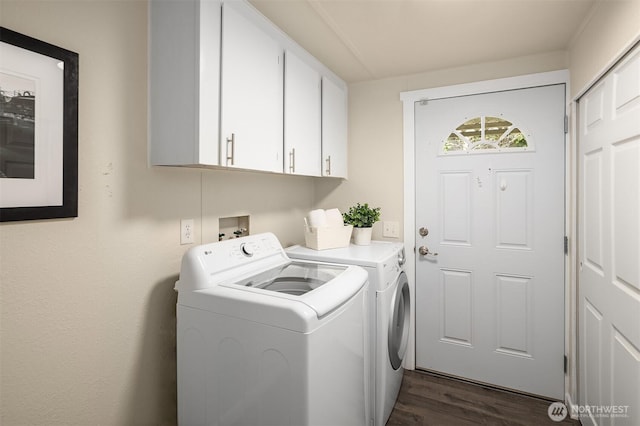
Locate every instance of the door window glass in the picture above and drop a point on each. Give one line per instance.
(485, 134)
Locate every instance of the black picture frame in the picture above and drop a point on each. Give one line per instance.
(69, 134)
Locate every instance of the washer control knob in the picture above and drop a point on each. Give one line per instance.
(246, 249)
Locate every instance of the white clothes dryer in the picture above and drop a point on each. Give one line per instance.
(389, 300)
(264, 340)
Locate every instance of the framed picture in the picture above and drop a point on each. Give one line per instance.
(38, 129)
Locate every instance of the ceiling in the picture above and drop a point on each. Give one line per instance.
(371, 39)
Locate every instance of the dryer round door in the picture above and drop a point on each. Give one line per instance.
(399, 322)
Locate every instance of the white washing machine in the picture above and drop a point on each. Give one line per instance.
(389, 300)
(264, 340)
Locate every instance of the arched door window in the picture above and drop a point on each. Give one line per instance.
(486, 134)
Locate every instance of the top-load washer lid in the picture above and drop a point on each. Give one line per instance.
(295, 278)
(322, 287)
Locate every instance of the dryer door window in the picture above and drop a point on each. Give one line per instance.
(399, 322)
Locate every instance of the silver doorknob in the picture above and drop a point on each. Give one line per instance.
(423, 231)
(425, 251)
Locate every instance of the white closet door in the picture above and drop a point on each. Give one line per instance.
(609, 245)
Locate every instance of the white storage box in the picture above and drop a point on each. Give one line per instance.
(327, 237)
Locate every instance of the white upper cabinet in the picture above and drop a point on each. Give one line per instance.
(302, 117)
(184, 72)
(251, 112)
(227, 88)
(334, 128)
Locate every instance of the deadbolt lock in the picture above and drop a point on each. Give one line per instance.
(423, 231)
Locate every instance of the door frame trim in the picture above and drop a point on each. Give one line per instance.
(408, 106)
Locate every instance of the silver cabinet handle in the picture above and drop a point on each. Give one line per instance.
(232, 141)
(425, 251)
(328, 161)
(292, 161)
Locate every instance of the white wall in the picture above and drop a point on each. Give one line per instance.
(87, 307)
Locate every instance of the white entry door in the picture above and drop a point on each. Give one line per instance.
(490, 209)
(609, 246)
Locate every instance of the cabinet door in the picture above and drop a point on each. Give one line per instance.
(184, 63)
(251, 90)
(334, 129)
(302, 117)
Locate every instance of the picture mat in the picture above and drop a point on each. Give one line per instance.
(46, 189)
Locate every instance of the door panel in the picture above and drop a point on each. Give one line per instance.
(456, 207)
(514, 209)
(609, 244)
(456, 306)
(490, 295)
(514, 315)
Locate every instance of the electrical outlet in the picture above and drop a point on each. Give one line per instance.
(390, 229)
(186, 231)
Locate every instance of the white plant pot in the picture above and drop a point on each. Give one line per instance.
(362, 236)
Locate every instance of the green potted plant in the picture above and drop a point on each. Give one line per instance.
(362, 217)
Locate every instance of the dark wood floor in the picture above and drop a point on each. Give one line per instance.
(430, 399)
